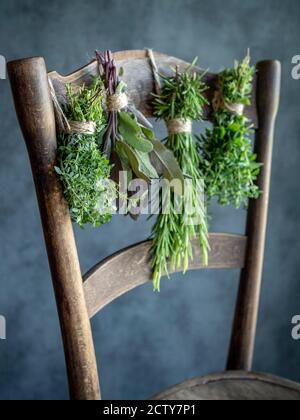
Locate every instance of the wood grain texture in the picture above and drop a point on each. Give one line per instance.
(245, 322)
(35, 112)
(139, 79)
(234, 386)
(131, 268)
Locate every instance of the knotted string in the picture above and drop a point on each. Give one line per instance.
(63, 124)
(117, 102)
(82, 127)
(176, 125)
(179, 125)
(219, 104)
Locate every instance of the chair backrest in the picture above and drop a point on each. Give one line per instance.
(78, 302)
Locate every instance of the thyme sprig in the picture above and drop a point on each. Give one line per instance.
(181, 97)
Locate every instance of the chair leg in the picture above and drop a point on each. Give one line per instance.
(34, 107)
(245, 323)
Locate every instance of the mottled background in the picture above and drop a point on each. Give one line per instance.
(145, 342)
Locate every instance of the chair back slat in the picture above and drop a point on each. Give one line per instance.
(131, 268)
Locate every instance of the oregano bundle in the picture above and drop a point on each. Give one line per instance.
(180, 102)
(230, 166)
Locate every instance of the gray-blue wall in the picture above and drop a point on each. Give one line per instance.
(145, 342)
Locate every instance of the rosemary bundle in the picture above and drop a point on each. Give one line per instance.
(179, 102)
(230, 166)
(129, 135)
(82, 168)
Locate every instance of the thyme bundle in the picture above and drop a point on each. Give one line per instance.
(179, 102)
(230, 166)
(82, 168)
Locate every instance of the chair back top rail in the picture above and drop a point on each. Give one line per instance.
(139, 79)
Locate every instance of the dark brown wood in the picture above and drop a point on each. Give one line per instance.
(139, 78)
(35, 111)
(244, 328)
(131, 268)
(234, 386)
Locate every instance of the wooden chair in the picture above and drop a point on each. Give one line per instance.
(79, 301)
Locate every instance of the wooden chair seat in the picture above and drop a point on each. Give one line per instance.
(232, 386)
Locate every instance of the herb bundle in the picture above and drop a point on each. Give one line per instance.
(82, 168)
(230, 166)
(129, 135)
(179, 102)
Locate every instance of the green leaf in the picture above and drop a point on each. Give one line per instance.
(127, 121)
(148, 133)
(100, 136)
(138, 143)
(57, 170)
(222, 133)
(235, 127)
(132, 133)
(121, 87)
(165, 162)
(125, 164)
(139, 161)
(146, 165)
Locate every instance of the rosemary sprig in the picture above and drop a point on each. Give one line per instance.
(181, 97)
(82, 168)
(230, 166)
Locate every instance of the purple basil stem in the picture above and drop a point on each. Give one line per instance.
(111, 82)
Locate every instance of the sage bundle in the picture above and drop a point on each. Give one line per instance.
(179, 102)
(129, 135)
(82, 168)
(230, 166)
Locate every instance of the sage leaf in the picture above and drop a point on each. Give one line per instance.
(163, 159)
(148, 133)
(139, 161)
(132, 133)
